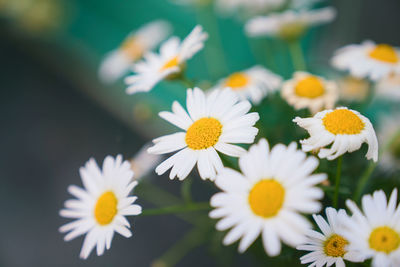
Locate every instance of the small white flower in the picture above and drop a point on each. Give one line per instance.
(267, 199)
(309, 91)
(101, 207)
(171, 61)
(389, 87)
(249, 6)
(213, 123)
(289, 24)
(375, 231)
(389, 131)
(136, 44)
(353, 89)
(253, 84)
(368, 60)
(347, 129)
(330, 246)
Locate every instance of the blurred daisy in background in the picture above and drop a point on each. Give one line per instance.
(253, 84)
(117, 63)
(170, 63)
(267, 199)
(344, 128)
(248, 6)
(212, 124)
(330, 246)
(389, 137)
(289, 24)
(375, 231)
(353, 89)
(101, 207)
(305, 90)
(389, 87)
(368, 60)
(143, 162)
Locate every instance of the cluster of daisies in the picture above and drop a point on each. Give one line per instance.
(275, 188)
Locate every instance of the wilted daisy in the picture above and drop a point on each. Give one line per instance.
(389, 137)
(289, 24)
(344, 128)
(353, 89)
(253, 84)
(101, 206)
(389, 87)
(375, 231)
(168, 64)
(267, 199)
(368, 60)
(309, 91)
(330, 246)
(136, 44)
(212, 124)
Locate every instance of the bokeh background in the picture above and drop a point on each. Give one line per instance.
(56, 114)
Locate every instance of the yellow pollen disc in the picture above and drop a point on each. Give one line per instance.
(384, 239)
(203, 133)
(237, 80)
(309, 87)
(106, 208)
(293, 30)
(334, 246)
(385, 53)
(132, 48)
(266, 198)
(343, 121)
(171, 63)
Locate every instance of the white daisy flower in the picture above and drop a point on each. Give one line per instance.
(136, 44)
(267, 199)
(309, 91)
(169, 63)
(344, 128)
(253, 84)
(389, 87)
(142, 163)
(353, 89)
(101, 207)
(368, 60)
(214, 122)
(330, 246)
(290, 24)
(389, 131)
(375, 231)
(249, 6)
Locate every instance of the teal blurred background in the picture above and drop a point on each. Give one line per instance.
(56, 114)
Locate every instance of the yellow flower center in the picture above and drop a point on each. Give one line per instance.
(266, 198)
(106, 208)
(132, 48)
(203, 133)
(310, 87)
(384, 239)
(334, 246)
(292, 30)
(395, 148)
(343, 121)
(385, 53)
(170, 63)
(237, 80)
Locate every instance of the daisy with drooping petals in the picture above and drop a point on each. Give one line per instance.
(389, 137)
(117, 62)
(330, 246)
(214, 122)
(101, 207)
(375, 231)
(289, 24)
(347, 129)
(368, 60)
(389, 87)
(267, 199)
(168, 64)
(253, 84)
(309, 91)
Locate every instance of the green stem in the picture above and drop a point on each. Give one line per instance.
(338, 175)
(186, 190)
(371, 167)
(186, 82)
(177, 209)
(297, 55)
